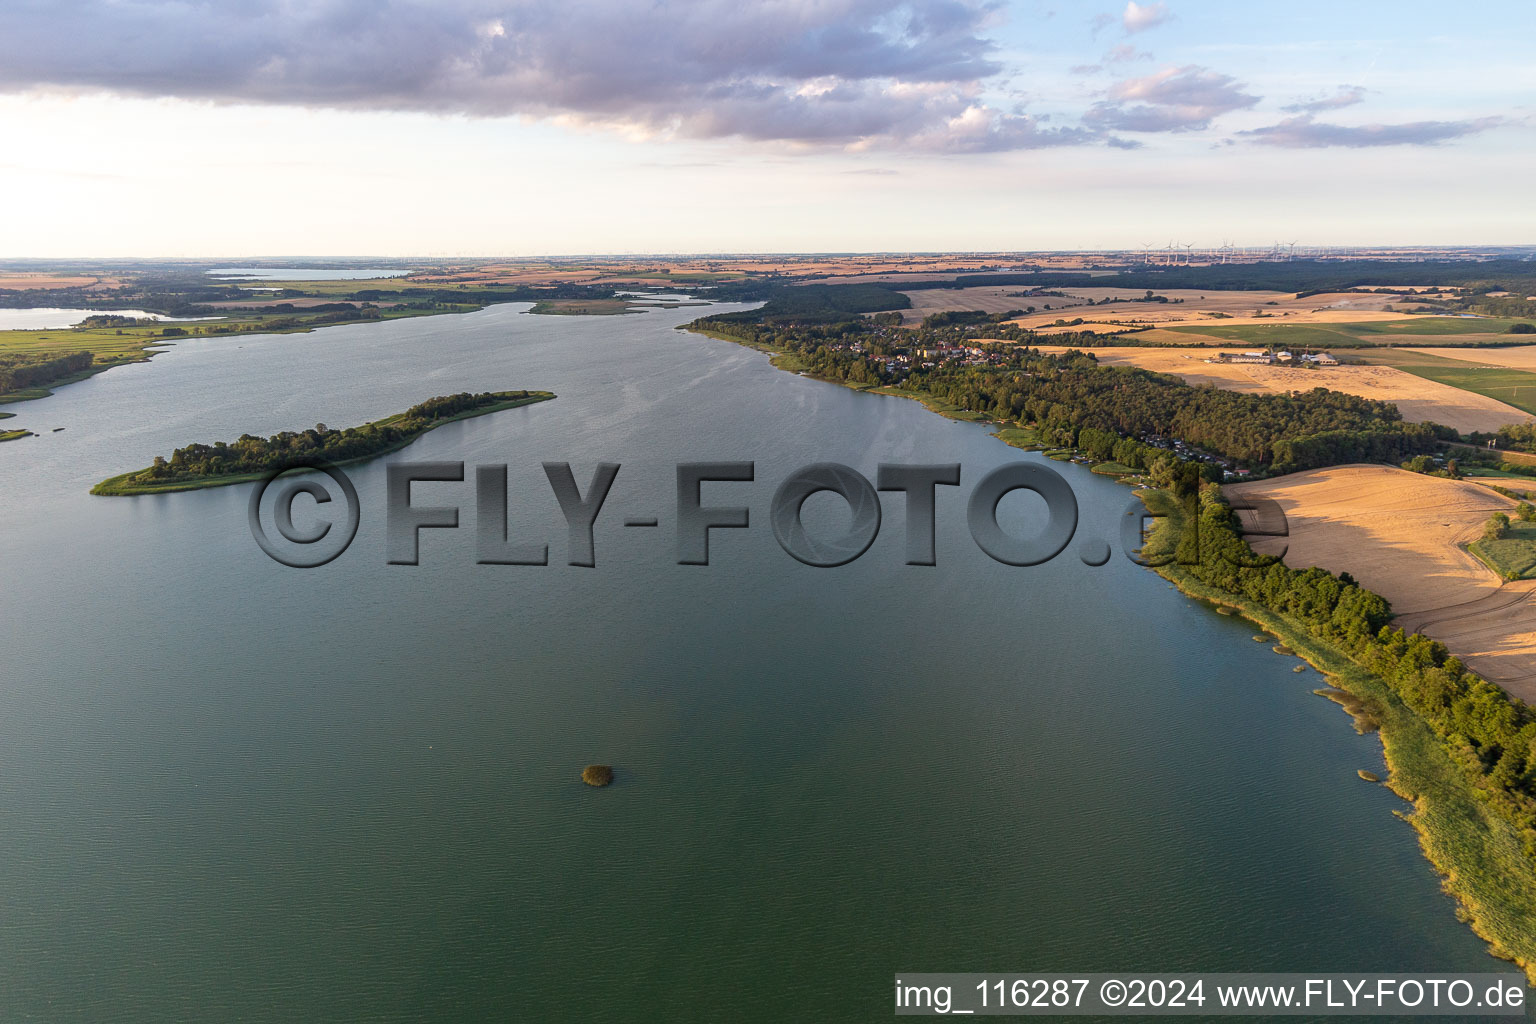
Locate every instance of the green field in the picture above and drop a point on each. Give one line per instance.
(1373, 332)
(1505, 384)
(1513, 556)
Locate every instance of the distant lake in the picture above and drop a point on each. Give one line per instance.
(46, 318)
(305, 273)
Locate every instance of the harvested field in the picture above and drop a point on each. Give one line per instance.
(1120, 307)
(25, 282)
(1417, 398)
(1400, 535)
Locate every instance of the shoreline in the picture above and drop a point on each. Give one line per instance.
(1470, 850)
(114, 488)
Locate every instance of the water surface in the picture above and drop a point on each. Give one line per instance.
(304, 273)
(47, 318)
(233, 790)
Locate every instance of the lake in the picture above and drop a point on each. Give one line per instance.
(233, 274)
(48, 318)
(234, 790)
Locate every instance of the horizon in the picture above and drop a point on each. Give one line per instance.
(1254, 253)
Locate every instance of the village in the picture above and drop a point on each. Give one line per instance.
(1280, 358)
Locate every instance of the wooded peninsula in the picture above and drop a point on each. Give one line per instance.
(250, 458)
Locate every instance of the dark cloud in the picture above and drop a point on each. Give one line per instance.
(1303, 132)
(1171, 100)
(844, 72)
(1346, 96)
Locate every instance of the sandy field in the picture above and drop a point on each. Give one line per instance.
(1520, 357)
(1208, 307)
(1419, 400)
(1399, 534)
(25, 281)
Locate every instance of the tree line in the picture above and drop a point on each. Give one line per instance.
(252, 454)
(1490, 734)
(39, 371)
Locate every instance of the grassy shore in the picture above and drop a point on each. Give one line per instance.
(120, 485)
(584, 307)
(1479, 856)
(12, 435)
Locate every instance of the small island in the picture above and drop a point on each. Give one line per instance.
(251, 458)
(597, 774)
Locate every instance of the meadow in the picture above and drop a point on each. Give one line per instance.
(1507, 384)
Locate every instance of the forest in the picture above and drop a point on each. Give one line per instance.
(1061, 395)
(25, 370)
(1286, 276)
(805, 304)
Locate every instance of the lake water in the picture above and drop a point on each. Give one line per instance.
(233, 790)
(304, 273)
(47, 318)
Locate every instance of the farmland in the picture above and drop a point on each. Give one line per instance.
(1403, 535)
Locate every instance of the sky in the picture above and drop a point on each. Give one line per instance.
(567, 127)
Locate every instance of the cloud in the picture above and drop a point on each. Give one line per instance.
(1302, 132)
(1171, 100)
(1084, 69)
(1125, 53)
(853, 73)
(1138, 18)
(1346, 96)
(980, 130)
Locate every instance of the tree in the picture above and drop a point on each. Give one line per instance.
(1525, 512)
(1497, 527)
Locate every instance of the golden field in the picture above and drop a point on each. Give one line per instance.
(1401, 535)
(1418, 399)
